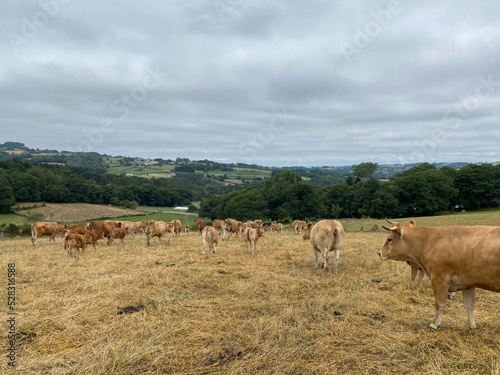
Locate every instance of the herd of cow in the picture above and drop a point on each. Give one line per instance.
(455, 258)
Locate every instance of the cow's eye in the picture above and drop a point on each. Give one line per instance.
(389, 240)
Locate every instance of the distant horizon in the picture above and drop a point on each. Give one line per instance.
(259, 165)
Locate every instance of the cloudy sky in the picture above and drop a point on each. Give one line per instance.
(275, 83)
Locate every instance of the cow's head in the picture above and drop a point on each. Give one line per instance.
(394, 246)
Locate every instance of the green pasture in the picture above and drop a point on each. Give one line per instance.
(486, 217)
(139, 170)
(244, 173)
(12, 219)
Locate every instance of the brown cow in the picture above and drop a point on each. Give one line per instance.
(75, 242)
(92, 235)
(120, 233)
(187, 228)
(251, 237)
(454, 257)
(233, 226)
(105, 226)
(199, 225)
(46, 228)
(326, 236)
(158, 229)
(210, 237)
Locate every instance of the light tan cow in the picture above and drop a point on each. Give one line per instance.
(46, 228)
(415, 269)
(220, 226)
(199, 225)
(257, 223)
(187, 228)
(306, 235)
(276, 227)
(454, 257)
(177, 227)
(326, 236)
(156, 228)
(251, 236)
(210, 237)
(134, 227)
(298, 226)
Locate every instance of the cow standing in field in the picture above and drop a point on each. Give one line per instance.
(158, 229)
(220, 226)
(251, 236)
(454, 257)
(120, 233)
(46, 228)
(74, 243)
(134, 227)
(177, 227)
(298, 226)
(92, 235)
(326, 236)
(210, 237)
(187, 228)
(105, 226)
(199, 225)
(233, 226)
(276, 227)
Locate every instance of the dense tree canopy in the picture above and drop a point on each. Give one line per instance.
(287, 195)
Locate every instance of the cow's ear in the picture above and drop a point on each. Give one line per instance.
(410, 224)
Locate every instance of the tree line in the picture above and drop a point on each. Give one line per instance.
(24, 181)
(287, 195)
(419, 191)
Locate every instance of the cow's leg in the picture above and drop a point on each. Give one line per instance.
(336, 254)
(440, 289)
(325, 259)
(469, 296)
(315, 253)
(421, 275)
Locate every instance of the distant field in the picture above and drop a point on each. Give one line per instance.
(69, 212)
(244, 173)
(139, 170)
(12, 219)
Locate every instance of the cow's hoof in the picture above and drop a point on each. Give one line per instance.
(433, 326)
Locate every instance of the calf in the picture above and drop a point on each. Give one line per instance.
(251, 236)
(210, 237)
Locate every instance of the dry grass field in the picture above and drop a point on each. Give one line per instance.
(232, 313)
(67, 212)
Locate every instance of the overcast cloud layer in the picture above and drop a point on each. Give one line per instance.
(275, 83)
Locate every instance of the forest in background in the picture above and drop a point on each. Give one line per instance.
(244, 191)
